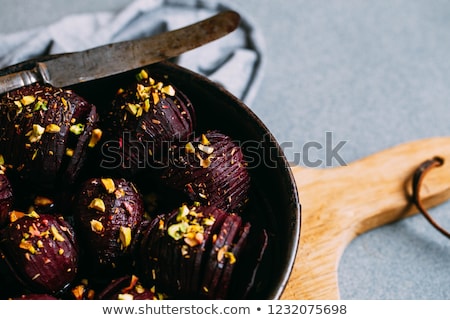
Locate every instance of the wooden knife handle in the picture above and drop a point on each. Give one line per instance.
(340, 203)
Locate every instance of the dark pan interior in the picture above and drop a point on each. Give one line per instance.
(274, 202)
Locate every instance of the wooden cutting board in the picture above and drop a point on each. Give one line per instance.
(340, 203)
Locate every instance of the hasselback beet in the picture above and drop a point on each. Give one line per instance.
(210, 169)
(172, 249)
(41, 252)
(45, 133)
(107, 213)
(200, 252)
(6, 199)
(144, 120)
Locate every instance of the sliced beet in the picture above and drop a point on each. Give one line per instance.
(42, 252)
(210, 169)
(107, 215)
(46, 133)
(173, 252)
(223, 286)
(145, 118)
(220, 254)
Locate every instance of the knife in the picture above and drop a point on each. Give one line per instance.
(99, 62)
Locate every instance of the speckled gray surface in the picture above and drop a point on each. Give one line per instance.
(374, 74)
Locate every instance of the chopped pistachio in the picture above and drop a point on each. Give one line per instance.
(139, 112)
(26, 100)
(125, 296)
(132, 108)
(64, 101)
(40, 244)
(95, 137)
(189, 147)
(204, 163)
(40, 105)
(52, 128)
(34, 231)
(33, 214)
(142, 92)
(205, 149)
(230, 256)
(169, 90)
(15, 215)
(208, 221)
(139, 289)
(205, 140)
(119, 193)
(155, 96)
(56, 235)
(96, 226)
(78, 291)
(2, 160)
(183, 211)
(97, 204)
(36, 133)
(177, 231)
(69, 152)
(27, 245)
(77, 129)
(146, 105)
(193, 239)
(109, 185)
(221, 253)
(142, 75)
(125, 236)
(61, 251)
(184, 250)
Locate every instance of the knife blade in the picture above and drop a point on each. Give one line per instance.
(110, 59)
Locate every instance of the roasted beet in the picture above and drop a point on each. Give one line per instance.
(6, 199)
(44, 134)
(41, 252)
(199, 252)
(171, 254)
(221, 259)
(107, 213)
(210, 169)
(145, 119)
